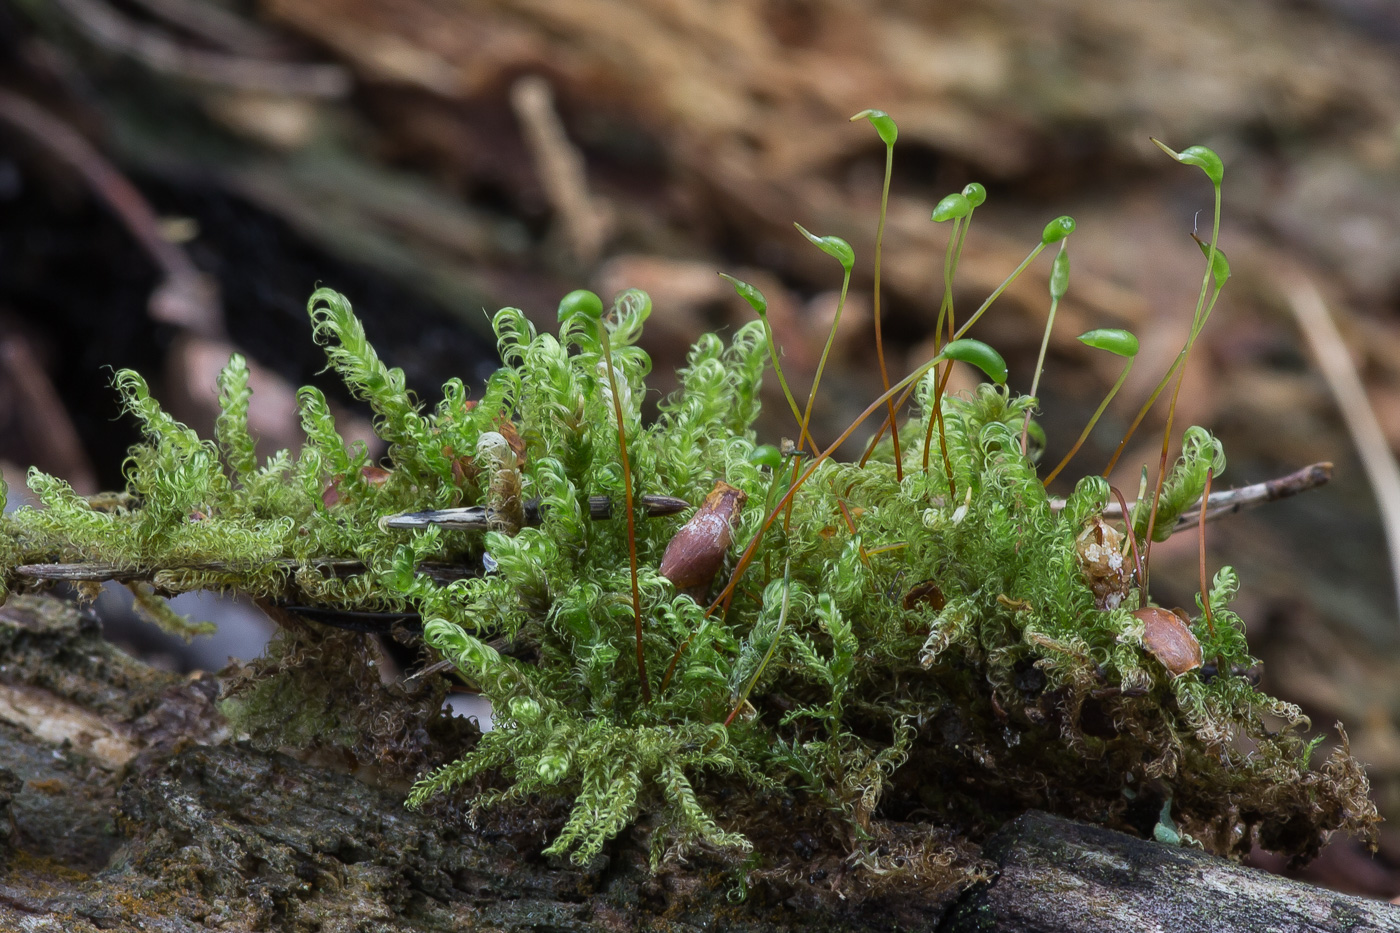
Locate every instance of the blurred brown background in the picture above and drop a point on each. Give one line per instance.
(177, 175)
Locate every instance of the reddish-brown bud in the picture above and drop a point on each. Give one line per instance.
(927, 594)
(1169, 639)
(508, 430)
(373, 476)
(694, 555)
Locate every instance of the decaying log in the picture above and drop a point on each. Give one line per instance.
(184, 830)
(1062, 876)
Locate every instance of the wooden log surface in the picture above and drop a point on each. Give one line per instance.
(124, 806)
(1058, 875)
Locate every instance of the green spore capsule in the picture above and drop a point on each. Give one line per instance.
(1114, 340)
(766, 455)
(1057, 229)
(977, 353)
(580, 303)
(1203, 158)
(833, 246)
(883, 124)
(952, 207)
(1059, 274)
(1219, 265)
(747, 292)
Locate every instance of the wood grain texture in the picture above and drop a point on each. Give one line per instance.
(1066, 877)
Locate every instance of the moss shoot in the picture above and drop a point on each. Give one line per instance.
(905, 655)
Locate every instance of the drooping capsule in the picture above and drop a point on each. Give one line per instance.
(695, 553)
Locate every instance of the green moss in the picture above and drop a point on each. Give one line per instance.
(1011, 690)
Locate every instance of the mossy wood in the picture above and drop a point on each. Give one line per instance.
(864, 706)
(118, 812)
(908, 640)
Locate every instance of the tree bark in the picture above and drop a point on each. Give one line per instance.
(123, 806)
(1058, 875)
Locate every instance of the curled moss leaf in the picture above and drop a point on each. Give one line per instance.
(1089, 498)
(1200, 452)
(524, 710)
(631, 309)
(231, 426)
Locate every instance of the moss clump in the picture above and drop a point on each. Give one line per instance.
(321, 692)
(894, 647)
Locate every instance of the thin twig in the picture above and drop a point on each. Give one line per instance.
(162, 52)
(586, 220)
(1318, 326)
(479, 518)
(1220, 504)
(217, 26)
(1223, 503)
(437, 667)
(186, 297)
(351, 620)
(99, 572)
(1231, 501)
(53, 441)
